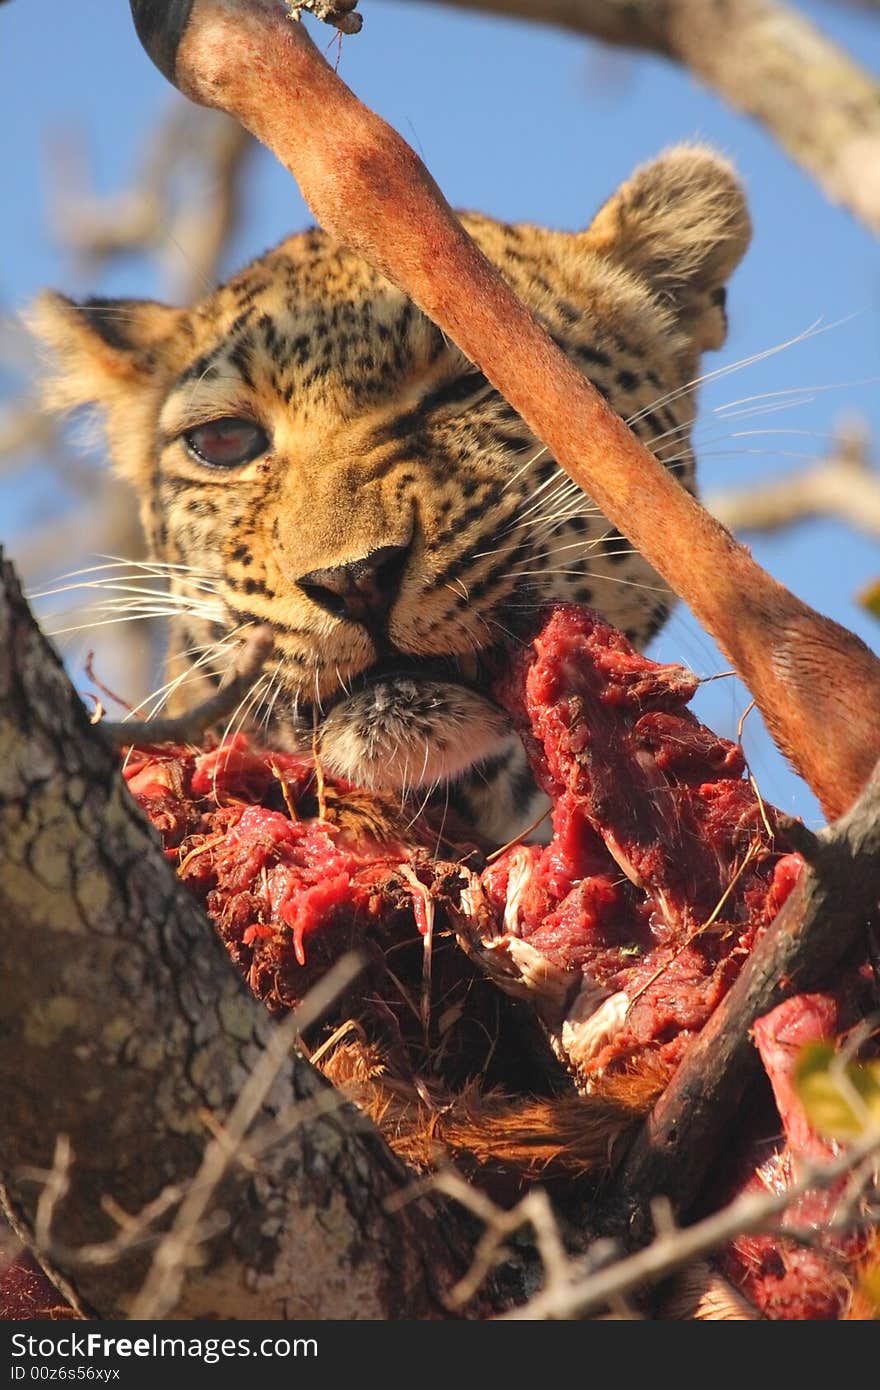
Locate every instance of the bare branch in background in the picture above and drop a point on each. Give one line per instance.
(763, 58)
(181, 211)
(845, 485)
(24, 427)
(183, 207)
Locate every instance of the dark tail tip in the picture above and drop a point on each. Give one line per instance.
(160, 26)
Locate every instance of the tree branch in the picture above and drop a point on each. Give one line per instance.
(114, 980)
(844, 486)
(675, 1248)
(833, 901)
(764, 59)
(183, 205)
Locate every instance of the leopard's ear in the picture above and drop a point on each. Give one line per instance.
(101, 349)
(680, 223)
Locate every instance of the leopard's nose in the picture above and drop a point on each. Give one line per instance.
(361, 590)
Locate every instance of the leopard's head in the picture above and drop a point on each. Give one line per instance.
(311, 453)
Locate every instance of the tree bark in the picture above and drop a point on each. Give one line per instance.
(126, 1028)
(764, 59)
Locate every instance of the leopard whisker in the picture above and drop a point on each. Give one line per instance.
(553, 520)
(159, 569)
(699, 436)
(106, 622)
(462, 589)
(183, 602)
(588, 575)
(555, 480)
(341, 681)
(242, 709)
(809, 392)
(147, 605)
(253, 712)
(584, 545)
(505, 631)
(524, 467)
(573, 503)
(244, 706)
(211, 652)
(802, 455)
(813, 330)
(115, 585)
(272, 696)
(170, 567)
(432, 789)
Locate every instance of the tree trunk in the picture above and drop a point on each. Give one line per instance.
(126, 1028)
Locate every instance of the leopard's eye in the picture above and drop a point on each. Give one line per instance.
(226, 443)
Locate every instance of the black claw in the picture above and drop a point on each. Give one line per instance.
(160, 26)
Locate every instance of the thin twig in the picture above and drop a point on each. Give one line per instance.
(181, 1245)
(671, 1250)
(190, 727)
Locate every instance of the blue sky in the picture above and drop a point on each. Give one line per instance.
(519, 121)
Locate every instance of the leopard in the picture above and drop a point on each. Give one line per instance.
(311, 454)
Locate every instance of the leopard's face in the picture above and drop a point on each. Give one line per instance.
(314, 456)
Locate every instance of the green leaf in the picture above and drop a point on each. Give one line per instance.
(870, 598)
(869, 1286)
(842, 1101)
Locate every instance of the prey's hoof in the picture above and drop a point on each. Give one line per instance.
(160, 26)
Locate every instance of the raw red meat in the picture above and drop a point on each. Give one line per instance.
(787, 1280)
(664, 865)
(243, 827)
(624, 933)
(26, 1293)
(293, 875)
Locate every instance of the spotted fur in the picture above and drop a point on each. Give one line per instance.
(385, 441)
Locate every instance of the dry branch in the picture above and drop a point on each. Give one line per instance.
(764, 59)
(182, 206)
(844, 486)
(190, 726)
(369, 189)
(674, 1248)
(114, 981)
(828, 911)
